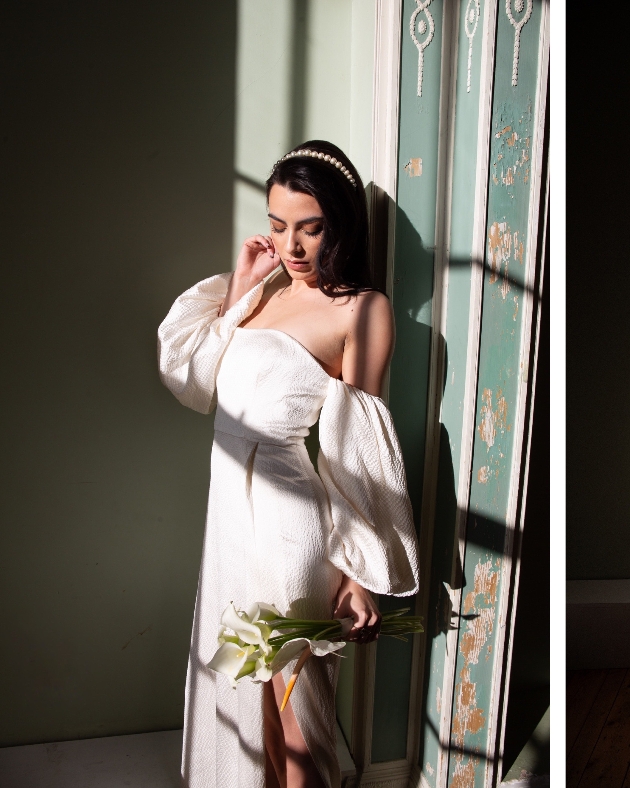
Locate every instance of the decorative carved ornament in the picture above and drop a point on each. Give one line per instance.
(470, 23)
(518, 26)
(426, 27)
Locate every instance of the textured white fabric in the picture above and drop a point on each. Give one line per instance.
(373, 540)
(192, 338)
(276, 532)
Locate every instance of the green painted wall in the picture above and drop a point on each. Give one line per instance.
(126, 130)
(460, 266)
(114, 200)
(411, 298)
(315, 83)
(512, 138)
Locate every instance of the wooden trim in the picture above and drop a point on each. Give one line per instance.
(391, 774)
(363, 707)
(515, 516)
(386, 91)
(446, 138)
(386, 103)
(472, 367)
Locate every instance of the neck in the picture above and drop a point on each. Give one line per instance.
(301, 286)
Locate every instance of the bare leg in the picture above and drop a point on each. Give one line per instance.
(275, 748)
(300, 769)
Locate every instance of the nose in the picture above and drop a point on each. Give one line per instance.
(293, 245)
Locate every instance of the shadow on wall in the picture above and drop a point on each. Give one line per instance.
(529, 687)
(113, 200)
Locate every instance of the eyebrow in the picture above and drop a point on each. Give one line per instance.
(309, 220)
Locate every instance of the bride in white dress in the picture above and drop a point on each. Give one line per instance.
(274, 352)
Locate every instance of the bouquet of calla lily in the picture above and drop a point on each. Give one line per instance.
(254, 642)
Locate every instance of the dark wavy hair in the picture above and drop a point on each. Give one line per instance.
(342, 263)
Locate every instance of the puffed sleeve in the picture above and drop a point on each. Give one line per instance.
(373, 540)
(192, 339)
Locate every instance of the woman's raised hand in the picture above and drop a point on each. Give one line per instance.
(257, 259)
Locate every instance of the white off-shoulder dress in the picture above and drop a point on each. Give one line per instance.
(277, 531)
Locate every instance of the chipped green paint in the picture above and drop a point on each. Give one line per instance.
(467, 103)
(411, 298)
(498, 378)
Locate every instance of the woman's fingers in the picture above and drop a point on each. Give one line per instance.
(257, 241)
(366, 627)
(375, 620)
(262, 240)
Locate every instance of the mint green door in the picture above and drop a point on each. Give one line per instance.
(465, 278)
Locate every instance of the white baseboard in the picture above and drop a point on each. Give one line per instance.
(392, 774)
(530, 781)
(598, 624)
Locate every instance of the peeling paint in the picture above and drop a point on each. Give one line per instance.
(500, 414)
(514, 316)
(477, 631)
(482, 474)
(504, 287)
(469, 602)
(486, 428)
(499, 251)
(514, 148)
(468, 717)
(486, 582)
(503, 245)
(430, 769)
(491, 421)
(464, 774)
(518, 248)
(438, 701)
(413, 168)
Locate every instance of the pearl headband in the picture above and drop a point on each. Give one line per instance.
(323, 157)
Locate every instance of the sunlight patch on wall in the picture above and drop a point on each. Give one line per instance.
(304, 71)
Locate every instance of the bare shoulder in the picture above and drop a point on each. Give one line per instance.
(369, 341)
(370, 314)
(376, 304)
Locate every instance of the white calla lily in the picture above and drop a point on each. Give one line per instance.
(246, 631)
(229, 659)
(267, 612)
(223, 638)
(253, 613)
(294, 648)
(263, 670)
(254, 650)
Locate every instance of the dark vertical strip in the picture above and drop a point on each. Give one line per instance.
(297, 102)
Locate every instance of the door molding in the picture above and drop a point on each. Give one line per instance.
(382, 206)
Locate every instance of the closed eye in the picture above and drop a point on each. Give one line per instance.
(311, 234)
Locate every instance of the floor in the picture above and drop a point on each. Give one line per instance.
(598, 729)
(531, 766)
(143, 760)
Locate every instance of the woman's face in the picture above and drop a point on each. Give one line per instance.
(297, 226)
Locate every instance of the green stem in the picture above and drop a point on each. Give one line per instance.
(319, 635)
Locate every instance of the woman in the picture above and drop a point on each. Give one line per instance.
(274, 353)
